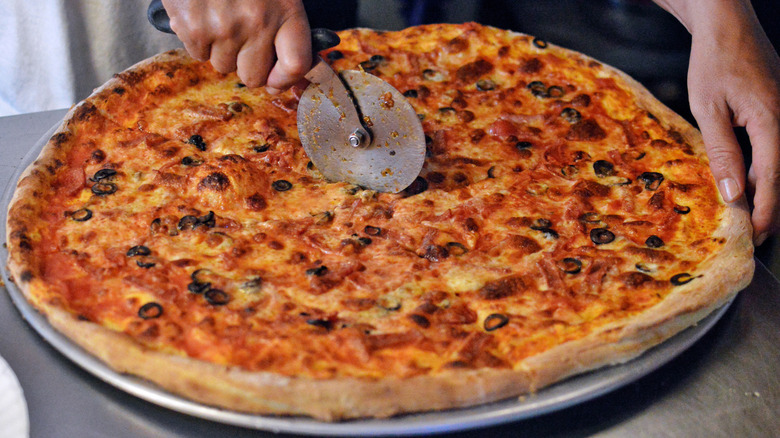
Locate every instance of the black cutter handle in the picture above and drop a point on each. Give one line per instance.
(158, 16)
(321, 38)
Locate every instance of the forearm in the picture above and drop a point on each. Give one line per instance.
(706, 15)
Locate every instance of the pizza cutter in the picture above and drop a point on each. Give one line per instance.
(354, 126)
(358, 128)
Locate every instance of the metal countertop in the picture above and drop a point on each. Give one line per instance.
(725, 385)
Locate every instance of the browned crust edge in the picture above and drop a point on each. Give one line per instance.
(724, 275)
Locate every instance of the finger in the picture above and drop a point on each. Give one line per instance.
(255, 60)
(193, 33)
(726, 162)
(750, 190)
(765, 140)
(224, 53)
(198, 49)
(293, 52)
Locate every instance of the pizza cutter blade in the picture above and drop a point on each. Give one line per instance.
(358, 128)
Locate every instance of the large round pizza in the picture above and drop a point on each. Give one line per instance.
(564, 220)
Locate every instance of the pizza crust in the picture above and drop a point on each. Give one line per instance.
(233, 388)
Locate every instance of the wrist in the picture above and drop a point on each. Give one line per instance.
(707, 16)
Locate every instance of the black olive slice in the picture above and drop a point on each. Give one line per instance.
(334, 55)
(191, 161)
(601, 236)
(390, 304)
(603, 168)
(642, 268)
(261, 148)
(150, 311)
(538, 88)
(570, 265)
(571, 115)
(372, 231)
(680, 279)
(202, 275)
(188, 222)
(365, 241)
(654, 242)
(590, 217)
(198, 288)
(251, 286)
(156, 225)
(555, 92)
(681, 209)
(432, 75)
(652, 180)
(570, 171)
(540, 43)
(139, 250)
(103, 174)
(197, 141)
(417, 186)
(522, 145)
(485, 85)
(491, 173)
(319, 271)
(104, 188)
(456, 248)
(369, 65)
(411, 93)
(541, 223)
(545, 226)
(436, 253)
(240, 85)
(207, 220)
(145, 265)
(81, 215)
(495, 321)
(322, 323)
(216, 297)
(281, 185)
(377, 58)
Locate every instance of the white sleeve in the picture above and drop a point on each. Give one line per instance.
(54, 52)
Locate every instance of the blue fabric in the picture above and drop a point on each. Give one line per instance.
(417, 12)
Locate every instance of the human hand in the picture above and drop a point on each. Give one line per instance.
(267, 42)
(734, 80)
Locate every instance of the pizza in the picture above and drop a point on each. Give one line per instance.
(564, 220)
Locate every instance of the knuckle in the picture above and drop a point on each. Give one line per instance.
(723, 157)
(295, 66)
(702, 107)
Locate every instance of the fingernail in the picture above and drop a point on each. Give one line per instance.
(761, 239)
(272, 91)
(728, 189)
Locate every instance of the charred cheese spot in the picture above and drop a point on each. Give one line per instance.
(474, 70)
(215, 181)
(502, 288)
(586, 130)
